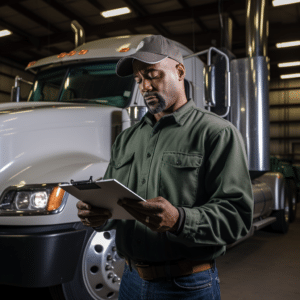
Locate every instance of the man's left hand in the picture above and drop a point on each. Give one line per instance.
(160, 213)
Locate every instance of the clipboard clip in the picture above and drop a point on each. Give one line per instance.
(82, 182)
(85, 184)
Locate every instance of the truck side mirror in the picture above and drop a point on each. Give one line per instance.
(15, 94)
(16, 90)
(209, 77)
(210, 88)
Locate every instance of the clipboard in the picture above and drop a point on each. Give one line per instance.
(104, 194)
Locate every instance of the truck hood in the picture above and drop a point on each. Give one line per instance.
(54, 142)
(6, 108)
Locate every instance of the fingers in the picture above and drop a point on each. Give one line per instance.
(92, 216)
(93, 222)
(152, 205)
(153, 220)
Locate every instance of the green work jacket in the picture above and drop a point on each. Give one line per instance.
(197, 161)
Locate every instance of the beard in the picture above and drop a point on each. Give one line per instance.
(156, 107)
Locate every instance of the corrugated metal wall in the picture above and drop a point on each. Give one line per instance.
(7, 80)
(285, 118)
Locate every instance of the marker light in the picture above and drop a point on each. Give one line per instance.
(284, 2)
(288, 44)
(289, 64)
(81, 52)
(31, 64)
(71, 53)
(55, 198)
(5, 32)
(124, 49)
(115, 12)
(61, 55)
(296, 75)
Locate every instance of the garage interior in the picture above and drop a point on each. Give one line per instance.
(265, 266)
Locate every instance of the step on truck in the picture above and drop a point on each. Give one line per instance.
(75, 110)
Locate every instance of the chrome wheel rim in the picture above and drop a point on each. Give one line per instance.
(102, 268)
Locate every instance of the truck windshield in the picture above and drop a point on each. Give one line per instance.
(89, 83)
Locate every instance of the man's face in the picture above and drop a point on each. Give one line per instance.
(159, 84)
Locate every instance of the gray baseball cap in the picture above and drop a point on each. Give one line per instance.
(150, 50)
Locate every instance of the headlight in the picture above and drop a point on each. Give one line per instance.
(32, 200)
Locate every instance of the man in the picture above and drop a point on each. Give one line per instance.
(191, 166)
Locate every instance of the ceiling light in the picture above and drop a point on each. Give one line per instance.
(290, 76)
(289, 64)
(5, 32)
(284, 2)
(288, 44)
(116, 12)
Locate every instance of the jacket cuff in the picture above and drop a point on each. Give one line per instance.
(180, 220)
(189, 227)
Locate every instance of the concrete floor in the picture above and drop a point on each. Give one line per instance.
(264, 267)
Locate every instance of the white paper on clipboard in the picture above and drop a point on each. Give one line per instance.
(104, 194)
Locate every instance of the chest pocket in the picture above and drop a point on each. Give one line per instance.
(178, 181)
(121, 168)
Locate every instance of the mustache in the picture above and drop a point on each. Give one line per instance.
(150, 94)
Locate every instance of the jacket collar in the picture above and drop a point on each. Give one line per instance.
(179, 116)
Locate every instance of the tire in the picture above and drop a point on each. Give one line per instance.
(282, 216)
(99, 271)
(292, 190)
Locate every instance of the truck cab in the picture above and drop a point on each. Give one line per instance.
(65, 131)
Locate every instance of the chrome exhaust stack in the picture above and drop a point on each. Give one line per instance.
(79, 33)
(250, 91)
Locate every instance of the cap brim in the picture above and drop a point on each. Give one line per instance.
(124, 65)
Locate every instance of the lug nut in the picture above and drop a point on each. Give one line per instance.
(114, 248)
(109, 267)
(116, 279)
(109, 257)
(110, 275)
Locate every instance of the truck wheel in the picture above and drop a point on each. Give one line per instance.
(98, 273)
(292, 188)
(282, 216)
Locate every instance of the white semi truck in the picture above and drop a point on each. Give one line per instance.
(76, 108)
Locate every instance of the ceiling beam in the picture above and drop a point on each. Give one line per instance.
(154, 19)
(184, 4)
(9, 2)
(284, 55)
(142, 12)
(12, 63)
(275, 71)
(34, 42)
(101, 8)
(66, 12)
(202, 39)
(34, 17)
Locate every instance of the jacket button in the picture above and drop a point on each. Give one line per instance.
(144, 181)
(148, 155)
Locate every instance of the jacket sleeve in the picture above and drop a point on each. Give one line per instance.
(227, 213)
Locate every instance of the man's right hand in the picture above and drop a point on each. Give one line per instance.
(92, 216)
